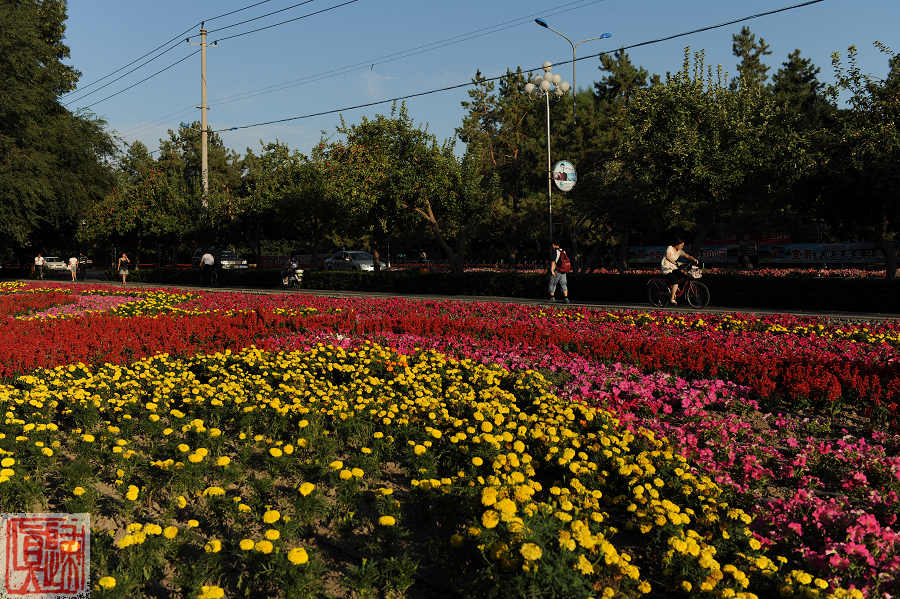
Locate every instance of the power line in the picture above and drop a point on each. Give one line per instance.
(394, 56)
(268, 14)
(179, 37)
(562, 62)
(237, 10)
(318, 12)
(120, 77)
(213, 43)
(164, 69)
(407, 53)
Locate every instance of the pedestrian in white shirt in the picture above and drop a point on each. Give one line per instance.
(39, 265)
(207, 263)
(669, 266)
(73, 268)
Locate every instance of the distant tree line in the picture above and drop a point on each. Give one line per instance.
(695, 151)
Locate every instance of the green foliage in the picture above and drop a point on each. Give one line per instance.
(52, 162)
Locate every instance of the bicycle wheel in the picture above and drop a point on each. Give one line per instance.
(697, 294)
(658, 292)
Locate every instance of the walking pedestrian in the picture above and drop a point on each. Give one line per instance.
(73, 268)
(39, 265)
(559, 266)
(122, 267)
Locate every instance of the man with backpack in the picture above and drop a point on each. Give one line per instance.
(559, 266)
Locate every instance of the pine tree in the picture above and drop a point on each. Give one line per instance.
(751, 69)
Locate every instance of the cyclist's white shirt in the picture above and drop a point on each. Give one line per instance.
(670, 260)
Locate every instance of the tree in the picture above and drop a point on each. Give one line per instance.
(500, 127)
(695, 154)
(387, 172)
(860, 178)
(799, 94)
(751, 69)
(52, 162)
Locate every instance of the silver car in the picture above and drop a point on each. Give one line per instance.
(359, 261)
(56, 264)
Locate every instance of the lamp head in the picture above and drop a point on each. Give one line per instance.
(547, 66)
(541, 22)
(529, 88)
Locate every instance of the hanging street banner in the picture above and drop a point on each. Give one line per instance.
(564, 175)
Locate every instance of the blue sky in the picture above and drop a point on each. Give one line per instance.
(104, 35)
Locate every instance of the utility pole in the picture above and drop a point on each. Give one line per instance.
(204, 129)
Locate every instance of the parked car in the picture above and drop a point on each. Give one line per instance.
(229, 260)
(355, 260)
(225, 259)
(55, 264)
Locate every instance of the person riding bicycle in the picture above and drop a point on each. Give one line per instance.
(669, 266)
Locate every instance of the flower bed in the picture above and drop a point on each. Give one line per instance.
(593, 444)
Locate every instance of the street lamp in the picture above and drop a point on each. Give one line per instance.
(574, 45)
(545, 85)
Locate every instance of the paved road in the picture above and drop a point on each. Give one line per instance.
(616, 307)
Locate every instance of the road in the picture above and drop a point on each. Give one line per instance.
(616, 307)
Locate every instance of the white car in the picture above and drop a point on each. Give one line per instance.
(343, 260)
(55, 263)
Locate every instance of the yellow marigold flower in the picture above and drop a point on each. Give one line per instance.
(387, 521)
(489, 496)
(264, 546)
(275, 452)
(357, 472)
(298, 556)
(107, 582)
(213, 546)
(271, 516)
(170, 532)
(644, 587)
(336, 465)
(132, 493)
(507, 508)
(345, 474)
(477, 461)
(584, 565)
(246, 544)
(211, 592)
(307, 488)
(686, 585)
(531, 552)
(223, 461)
(490, 519)
(192, 523)
(272, 534)
(418, 449)
(180, 501)
(244, 508)
(78, 491)
(87, 438)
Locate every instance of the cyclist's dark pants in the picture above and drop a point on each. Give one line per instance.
(674, 278)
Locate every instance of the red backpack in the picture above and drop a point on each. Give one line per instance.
(565, 265)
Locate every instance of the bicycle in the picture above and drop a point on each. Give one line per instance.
(695, 292)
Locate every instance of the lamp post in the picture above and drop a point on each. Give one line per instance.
(544, 85)
(574, 45)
